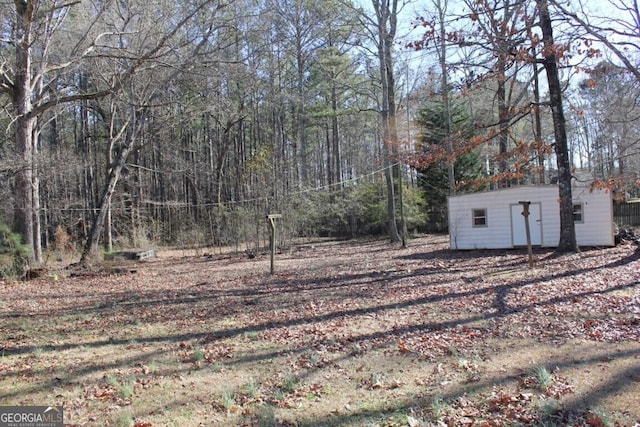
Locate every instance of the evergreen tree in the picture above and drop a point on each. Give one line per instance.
(433, 170)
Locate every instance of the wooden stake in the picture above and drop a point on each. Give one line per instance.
(272, 238)
(525, 214)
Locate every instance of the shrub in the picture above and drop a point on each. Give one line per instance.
(14, 257)
(355, 210)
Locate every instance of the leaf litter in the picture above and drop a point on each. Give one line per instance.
(345, 333)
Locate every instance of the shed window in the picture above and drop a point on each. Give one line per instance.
(479, 217)
(578, 213)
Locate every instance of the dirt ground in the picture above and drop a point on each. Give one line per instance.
(351, 333)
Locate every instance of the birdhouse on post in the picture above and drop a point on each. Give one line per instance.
(525, 214)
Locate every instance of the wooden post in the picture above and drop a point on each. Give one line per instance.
(272, 238)
(525, 214)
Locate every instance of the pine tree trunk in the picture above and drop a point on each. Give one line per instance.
(386, 16)
(335, 139)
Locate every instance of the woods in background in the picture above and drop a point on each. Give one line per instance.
(185, 123)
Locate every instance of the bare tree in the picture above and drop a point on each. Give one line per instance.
(383, 27)
(605, 110)
(567, 241)
(500, 35)
(35, 26)
(613, 23)
(35, 81)
(144, 62)
(610, 29)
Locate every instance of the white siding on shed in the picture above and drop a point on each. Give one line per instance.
(595, 230)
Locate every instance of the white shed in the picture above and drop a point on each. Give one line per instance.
(494, 220)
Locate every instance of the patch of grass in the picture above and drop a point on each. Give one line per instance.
(543, 377)
(462, 363)
(290, 383)
(548, 415)
(416, 422)
(355, 349)
(265, 416)
(112, 380)
(548, 409)
(198, 354)
(438, 408)
(227, 400)
(126, 388)
(477, 359)
(123, 419)
(314, 359)
(252, 335)
(250, 389)
(37, 352)
(279, 395)
(598, 417)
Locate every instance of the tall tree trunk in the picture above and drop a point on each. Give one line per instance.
(90, 248)
(538, 125)
(503, 120)
(503, 104)
(302, 120)
(442, 10)
(37, 208)
(386, 18)
(567, 241)
(104, 203)
(24, 125)
(391, 143)
(37, 214)
(108, 233)
(335, 137)
(23, 216)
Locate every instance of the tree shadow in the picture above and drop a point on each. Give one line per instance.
(574, 408)
(381, 290)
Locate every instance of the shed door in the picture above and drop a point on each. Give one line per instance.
(518, 230)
